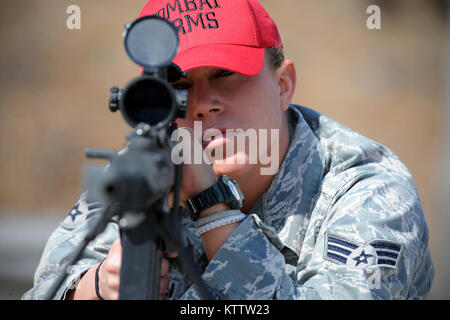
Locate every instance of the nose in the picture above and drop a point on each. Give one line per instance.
(204, 102)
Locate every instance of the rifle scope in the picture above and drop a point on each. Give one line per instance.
(152, 43)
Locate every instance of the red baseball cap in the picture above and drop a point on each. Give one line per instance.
(225, 34)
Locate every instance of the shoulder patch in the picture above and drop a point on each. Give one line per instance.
(384, 253)
(80, 213)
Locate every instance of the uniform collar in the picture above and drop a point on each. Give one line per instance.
(287, 204)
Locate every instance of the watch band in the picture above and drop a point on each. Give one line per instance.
(225, 190)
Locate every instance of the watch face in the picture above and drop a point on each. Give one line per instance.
(233, 190)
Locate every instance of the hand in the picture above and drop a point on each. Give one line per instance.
(164, 282)
(109, 273)
(196, 177)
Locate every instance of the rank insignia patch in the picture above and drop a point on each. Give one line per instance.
(377, 252)
(80, 212)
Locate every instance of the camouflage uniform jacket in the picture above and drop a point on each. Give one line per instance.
(342, 219)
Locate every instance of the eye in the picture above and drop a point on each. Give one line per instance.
(181, 86)
(223, 73)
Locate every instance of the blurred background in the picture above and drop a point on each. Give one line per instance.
(391, 84)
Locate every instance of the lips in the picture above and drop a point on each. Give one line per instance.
(209, 138)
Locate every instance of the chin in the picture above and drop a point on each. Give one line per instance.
(234, 170)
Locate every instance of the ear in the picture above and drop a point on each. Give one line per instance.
(287, 81)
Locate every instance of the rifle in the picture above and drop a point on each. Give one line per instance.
(137, 181)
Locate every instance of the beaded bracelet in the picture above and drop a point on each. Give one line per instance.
(220, 222)
(215, 216)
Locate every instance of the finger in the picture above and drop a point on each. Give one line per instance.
(170, 199)
(164, 267)
(163, 285)
(113, 283)
(108, 285)
(114, 259)
(116, 245)
(170, 254)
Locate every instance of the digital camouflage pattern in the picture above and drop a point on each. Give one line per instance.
(341, 220)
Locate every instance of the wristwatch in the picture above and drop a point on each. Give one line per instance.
(225, 190)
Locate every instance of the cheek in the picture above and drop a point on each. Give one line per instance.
(263, 113)
(261, 104)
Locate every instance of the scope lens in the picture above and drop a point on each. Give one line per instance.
(151, 42)
(147, 100)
